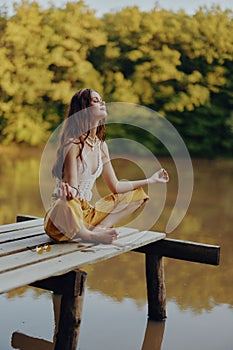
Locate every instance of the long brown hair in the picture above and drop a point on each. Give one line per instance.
(76, 128)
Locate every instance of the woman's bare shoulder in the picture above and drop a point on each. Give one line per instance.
(105, 152)
(104, 148)
(73, 147)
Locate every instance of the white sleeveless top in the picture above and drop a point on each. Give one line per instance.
(86, 179)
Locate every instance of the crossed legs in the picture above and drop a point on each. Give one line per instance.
(119, 213)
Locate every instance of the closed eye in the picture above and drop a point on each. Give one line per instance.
(96, 100)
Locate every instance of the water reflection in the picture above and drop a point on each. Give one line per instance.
(19, 177)
(153, 336)
(196, 287)
(25, 342)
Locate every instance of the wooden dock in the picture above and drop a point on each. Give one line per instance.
(21, 264)
(28, 257)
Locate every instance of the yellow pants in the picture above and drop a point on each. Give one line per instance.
(63, 219)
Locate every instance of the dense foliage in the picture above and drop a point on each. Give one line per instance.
(176, 64)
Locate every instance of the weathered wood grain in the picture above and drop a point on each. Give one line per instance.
(20, 264)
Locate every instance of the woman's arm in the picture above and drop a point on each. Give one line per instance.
(69, 184)
(117, 186)
(70, 165)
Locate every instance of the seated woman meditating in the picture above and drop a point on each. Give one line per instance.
(83, 156)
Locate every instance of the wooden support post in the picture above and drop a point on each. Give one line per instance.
(71, 287)
(156, 292)
(56, 311)
(70, 315)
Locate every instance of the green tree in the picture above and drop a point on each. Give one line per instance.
(24, 76)
(206, 88)
(176, 64)
(76, 31)
(116, 68)
(44, 60)
(138, 56)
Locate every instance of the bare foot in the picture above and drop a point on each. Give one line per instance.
(104, 235)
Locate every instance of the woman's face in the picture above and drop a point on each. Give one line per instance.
(98, 106)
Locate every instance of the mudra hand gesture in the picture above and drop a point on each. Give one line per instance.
(159, 176)
(65, 191)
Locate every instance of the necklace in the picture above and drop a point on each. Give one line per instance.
(92, 142)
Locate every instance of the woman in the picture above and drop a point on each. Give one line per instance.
(82, 156)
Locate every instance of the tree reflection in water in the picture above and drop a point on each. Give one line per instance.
(209, 220)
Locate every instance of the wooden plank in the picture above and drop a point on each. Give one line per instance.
(22, 244)
(184, 250)
(136, 237)
(65, 263)
(30, 256)
(11, 247)
(22, 217)
(22, 233)
(27, 256)
(125, 231)
(20, 253)
(21, 225)
(39, 230)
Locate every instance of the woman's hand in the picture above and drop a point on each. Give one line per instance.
(66, 192)
(160, 176)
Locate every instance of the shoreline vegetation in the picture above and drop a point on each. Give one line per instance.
(145, 58)
(25, 151)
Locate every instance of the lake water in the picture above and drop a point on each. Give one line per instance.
(199, 297)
